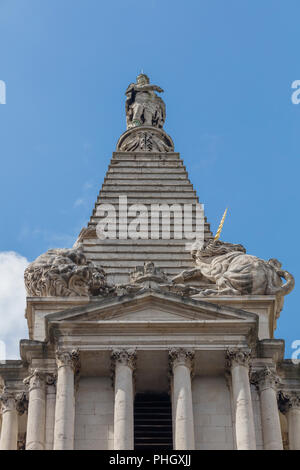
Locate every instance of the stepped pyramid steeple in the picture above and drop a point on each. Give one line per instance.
(146, 170)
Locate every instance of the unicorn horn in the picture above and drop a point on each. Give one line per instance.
(217, 236)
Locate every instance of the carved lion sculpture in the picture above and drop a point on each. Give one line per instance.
(64, 272)
(236, 273)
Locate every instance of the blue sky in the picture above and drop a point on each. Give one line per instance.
(226, 68)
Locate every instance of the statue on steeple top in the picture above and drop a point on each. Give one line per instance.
(143, 106)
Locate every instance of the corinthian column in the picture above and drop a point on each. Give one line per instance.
(67, 365)
(290, 405)
(35, 437)
(267, 382)
(9, 429)
(239, 362)
(181, 361)
(123, 365)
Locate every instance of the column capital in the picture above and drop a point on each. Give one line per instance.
(35, 380)
(265, 378)
(68, 359)
(126, 357)
(238, 357)
(181, 357)
(288, 400)
(8, 401)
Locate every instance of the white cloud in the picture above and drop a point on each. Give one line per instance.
(13, 325)
(79, 202)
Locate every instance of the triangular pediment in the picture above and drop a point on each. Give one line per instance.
(151, 307)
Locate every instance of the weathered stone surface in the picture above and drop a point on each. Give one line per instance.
(64, 272)
(236, 273)
(143, 106)
(145, 139)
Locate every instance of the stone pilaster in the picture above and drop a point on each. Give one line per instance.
(267, 382)
(50, 410)
(123, 363)
(238, 362)
(9, 429)
(289, 403)
(68, 364)
(35, 437)
(181, 364)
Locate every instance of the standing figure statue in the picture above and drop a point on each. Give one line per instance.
(143, 106)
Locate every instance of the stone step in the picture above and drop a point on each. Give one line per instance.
(153, 447)
(155, 257)
(132, 183)
(152, 245)
(152, 237)
(121, 222)
(145, 164)
(136, 244)
(159, 198)
(146, 160)
(145, 155)
(146, 193)
(149, 177)
(142, 251)
(147, 188)
(144, 170)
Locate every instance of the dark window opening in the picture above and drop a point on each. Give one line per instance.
(152, 422)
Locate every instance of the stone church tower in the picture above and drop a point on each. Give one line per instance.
(141, 337)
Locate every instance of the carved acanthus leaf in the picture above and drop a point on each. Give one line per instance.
(238, 356)
(125, 357)
(35, 380)
(288, 400)
(181, 356)
(265, 378)
(68, 359)
(8, 401)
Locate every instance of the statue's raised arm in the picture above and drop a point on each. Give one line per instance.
(143, 107)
